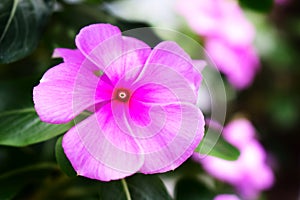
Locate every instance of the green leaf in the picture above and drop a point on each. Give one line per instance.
(23, 127)
(62, 160)
(15, 93)
(11, 183)
(192, 189)
(21, 25)
(141, 187)
(257, 5)
(221, 148)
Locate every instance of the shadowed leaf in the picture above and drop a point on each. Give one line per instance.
(21, 25)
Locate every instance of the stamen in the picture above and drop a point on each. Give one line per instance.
(122, 95)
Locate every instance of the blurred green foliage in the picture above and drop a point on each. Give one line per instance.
(21, 25)
(257, 5)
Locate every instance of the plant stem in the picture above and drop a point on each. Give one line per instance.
(126, 190)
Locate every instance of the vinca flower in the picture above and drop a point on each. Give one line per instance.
(240, 63)
(249, 174)
(141, 104)
(228, 37)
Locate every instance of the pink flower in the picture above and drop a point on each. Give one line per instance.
(249, 174)
(228, 37)
(144, 117)
(226, 197)
(238, 63)
(218, 18)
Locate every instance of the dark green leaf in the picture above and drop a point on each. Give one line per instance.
(23, 127)
(21, 24)
(258, 5)
(17, 93)
(139, 187)
(12, 182)
(113, 190)
(220, 149)
(62, 160)
(192, 189)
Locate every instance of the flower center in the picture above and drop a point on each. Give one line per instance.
(122, 95)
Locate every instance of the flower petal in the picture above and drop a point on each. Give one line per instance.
(226, 197)
(238, 63)
(167, 134)
(249, 173)
(129, 61)
(84, 163)
(104, 46)
(171, 137)
(91, 36)
(112, 151)
(69, 55)
(239, 133)
(53, 96)
(171, 55)
(162, 84)
(139, 112)
(218, 18)
(66, 90)
(154, 93)
(224, 170)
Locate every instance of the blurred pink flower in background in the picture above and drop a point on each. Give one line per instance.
(228, 37)
(218, 18)
(238, 62)
(226, 197)
(249, 174)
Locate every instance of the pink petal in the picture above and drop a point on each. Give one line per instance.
(239, 132)
(66, 90)
(239, 63)
(169, 54)
(226, 197)
(100, 43)
(241, 32)
(170, 138)
(257, 175)
(104, 152)
(224, 170)
(162, 84)
(69, 55)
(218, 19)
(84, 163)
(156, 93)
(104, 46)
(167, 134)
(139, 112)
(53, 96)
(145, 120)
(91, 36)
(250, 174)
(201, 15)
(129, 61)
(232, 25)
(73, 56)
(254, 163)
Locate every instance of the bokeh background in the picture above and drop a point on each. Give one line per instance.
(271, 102)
